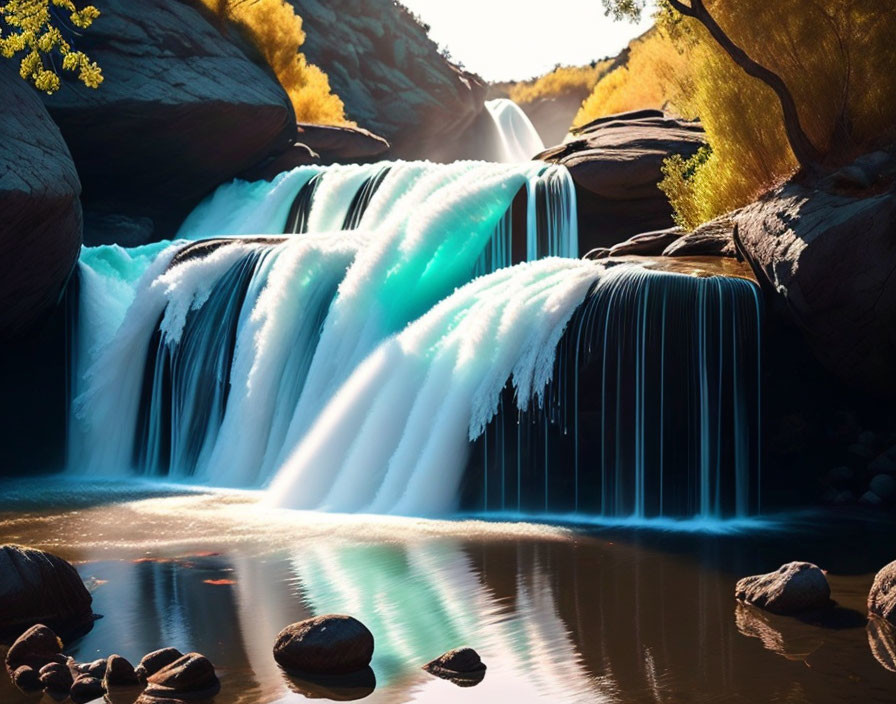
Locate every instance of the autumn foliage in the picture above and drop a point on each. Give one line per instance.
(276, 31)
(837, 58)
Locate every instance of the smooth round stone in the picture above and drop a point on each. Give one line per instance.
(152, 662)
(27, 679)
(328, 645)
(191, 676)
(86, 689)
(35, 647)
(119, 673)
(462, 666)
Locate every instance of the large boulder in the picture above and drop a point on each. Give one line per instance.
(191, 677)
(828, 252)
(882, 598)
(616, 163)
(391, 75)
(39, 208)
(794, 587)
(181, 109)
(37, 587)
(325, 645)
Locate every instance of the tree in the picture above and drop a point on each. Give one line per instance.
(35, 27)
(807, 154)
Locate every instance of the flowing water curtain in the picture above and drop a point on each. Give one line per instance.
(420, 248)
(653, 409)
(519, 140)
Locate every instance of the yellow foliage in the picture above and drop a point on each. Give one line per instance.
(276, 30)
(837, 58)
(652, 78)
(562, 81)
(27, 26)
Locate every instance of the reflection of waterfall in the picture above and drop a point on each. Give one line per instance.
(519, 138)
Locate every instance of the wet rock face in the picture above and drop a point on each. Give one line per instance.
(882, 598)
(40, 212)
(326, 645)
(830, 257)
(391, 76)
(462, 666)
(189, 677)
(37, 587)
(86, 689)
(795, 587)
(616, 163)
(181, 110)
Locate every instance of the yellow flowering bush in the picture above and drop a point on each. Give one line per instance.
(28, 26)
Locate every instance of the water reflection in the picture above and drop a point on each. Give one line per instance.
(572, 619)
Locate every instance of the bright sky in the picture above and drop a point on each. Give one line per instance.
(517, 39)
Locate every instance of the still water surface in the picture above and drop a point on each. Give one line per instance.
(558, 614)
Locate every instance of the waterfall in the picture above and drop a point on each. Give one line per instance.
(413, 338)
(520, 140)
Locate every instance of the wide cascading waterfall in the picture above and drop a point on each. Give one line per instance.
(373, 338)
(519, 140)
(249, 333)
(653, 409)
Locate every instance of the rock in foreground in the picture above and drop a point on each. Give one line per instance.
(155, 661)
(35, 648)
(795, 587)
(326, 645)
(882, 598)
(190, 677)
(119, 673)
(462, 666)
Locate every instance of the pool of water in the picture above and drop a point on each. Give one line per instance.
(578, 613)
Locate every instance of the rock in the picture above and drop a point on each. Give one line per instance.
(831, 259)
(714, 239)
(97, 668)
(35, 648)
(883, 464)
(616, 163)
(645, 244)
(292, 157)
(56, 677)
(462, 666)
(37, 587)
(86, 689)
(342, 144)
(884, 486)
(844, 498)
(155, 661)
(119, 673)
(27, 679)
(391, 76)
(181, 110)
(869, 498)
(189, 677)
(795, 587)
(882, 598)
(115, 228)
(39, 208)
(333, 644)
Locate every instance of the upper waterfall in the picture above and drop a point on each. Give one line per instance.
(520, 140)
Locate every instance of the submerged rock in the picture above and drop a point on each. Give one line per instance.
(882, 598)
(86, 689)
(36, 647)
(333, 645)
(795, 587)
(119, 673)
(882, 641)
(190, 677)
(37, 587)
(463, 666)
(155, 661)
